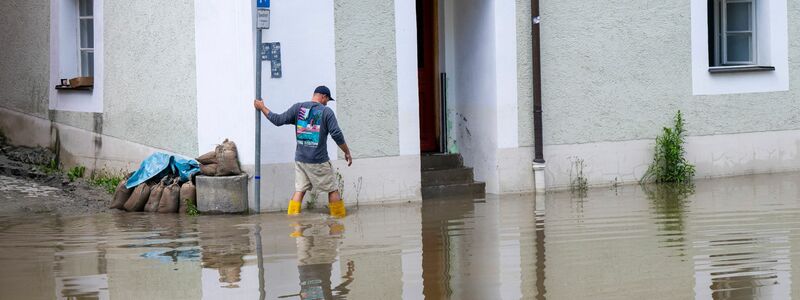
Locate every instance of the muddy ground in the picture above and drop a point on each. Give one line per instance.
(26, 186)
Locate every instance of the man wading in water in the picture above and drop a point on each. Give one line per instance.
(313, 122)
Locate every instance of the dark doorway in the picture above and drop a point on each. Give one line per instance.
(428, 75)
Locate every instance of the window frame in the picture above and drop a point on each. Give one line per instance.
(721, 33)
(81, 49)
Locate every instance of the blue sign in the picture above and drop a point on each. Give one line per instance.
(262, 4)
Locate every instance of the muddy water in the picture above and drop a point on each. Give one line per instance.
(723, 239)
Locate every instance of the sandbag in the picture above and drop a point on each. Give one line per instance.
(229, 145)
(228, 159)
(138, 198)
(155, 198)
(208, 158)
(121, 195)
(170, 198)
(188, 195)
(209, 170)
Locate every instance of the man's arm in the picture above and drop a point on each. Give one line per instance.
(288, 117)
(337, 135)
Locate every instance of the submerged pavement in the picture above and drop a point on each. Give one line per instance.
(725, 238)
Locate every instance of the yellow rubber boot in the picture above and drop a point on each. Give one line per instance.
(294, 208)
(337, 209)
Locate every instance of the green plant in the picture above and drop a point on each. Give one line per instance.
(106, 180)
(340, 183)
(76, 172)
(577, 181)
(312, 201)
(669, 163)
(191, 209)
(51, 167)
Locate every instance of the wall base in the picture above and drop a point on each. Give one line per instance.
(610, 163)
(539, 177)
(76, 146)
(367, 181)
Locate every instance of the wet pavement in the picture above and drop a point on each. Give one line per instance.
(734, 238)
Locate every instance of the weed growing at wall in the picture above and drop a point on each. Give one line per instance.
(76, 172)
(356, 186)
(106, 180)
(51, 167)
(191, 209)
(312, 201)
(669, 163)
(578, 184)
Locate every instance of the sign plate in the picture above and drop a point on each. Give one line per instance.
(272, 52)
(262, 20)
(262, 4)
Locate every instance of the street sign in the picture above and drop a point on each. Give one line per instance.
(272, 52)
(262, 18)
(262, 4)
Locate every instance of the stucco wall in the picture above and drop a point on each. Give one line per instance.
(150, 86)
(524, 73)
(619, 70)
(366, 76)
(25, 55)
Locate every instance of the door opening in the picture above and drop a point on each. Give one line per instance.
(430, 108)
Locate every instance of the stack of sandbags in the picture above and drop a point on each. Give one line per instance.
(223, 161)
(169, 195)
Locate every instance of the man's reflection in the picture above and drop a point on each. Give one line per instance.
(317, 248)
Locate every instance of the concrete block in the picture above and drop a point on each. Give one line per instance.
(225, 194)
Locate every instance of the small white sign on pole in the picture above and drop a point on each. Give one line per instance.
(262, 20)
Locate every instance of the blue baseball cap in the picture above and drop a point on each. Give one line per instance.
(325, 91)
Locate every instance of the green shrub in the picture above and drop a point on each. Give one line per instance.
(76, 172)
(578, 183)
(51, 167)
(107, 181)
(669, 163)
(191, 209)
(312, 200)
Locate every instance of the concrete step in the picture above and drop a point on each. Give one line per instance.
(474, 189)
(441, 161)
(447, 176)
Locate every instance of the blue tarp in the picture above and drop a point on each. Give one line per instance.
(160, 163)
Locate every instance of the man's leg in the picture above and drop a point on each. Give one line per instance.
(301, 185)
(336, 205)
(295, 203)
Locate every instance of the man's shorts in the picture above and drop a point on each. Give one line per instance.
(319, 176)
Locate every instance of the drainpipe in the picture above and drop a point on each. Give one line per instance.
(538, 161)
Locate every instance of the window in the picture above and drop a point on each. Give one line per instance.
(732, 32)
(86, 36)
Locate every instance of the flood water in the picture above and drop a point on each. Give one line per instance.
(734, 238)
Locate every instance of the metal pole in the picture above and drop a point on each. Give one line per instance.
(537, 84)
(257, 178)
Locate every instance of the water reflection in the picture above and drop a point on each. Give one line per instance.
(317, 249)
(723, 239)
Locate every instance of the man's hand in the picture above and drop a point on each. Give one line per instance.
(347, 156)
(258, 104)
